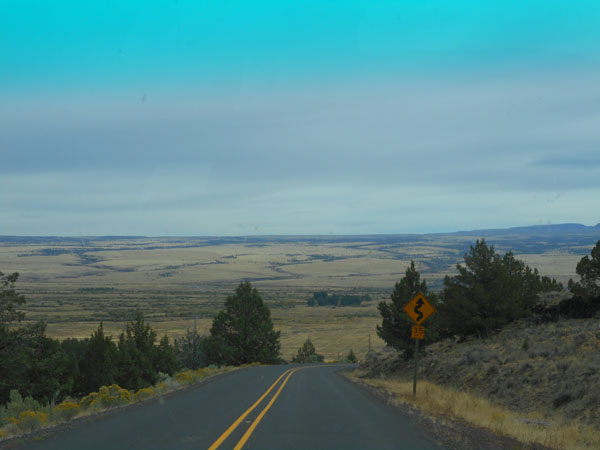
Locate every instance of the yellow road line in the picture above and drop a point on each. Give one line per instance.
(250, 430)
(235, 424)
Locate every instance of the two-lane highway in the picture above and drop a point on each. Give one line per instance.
(277, 407)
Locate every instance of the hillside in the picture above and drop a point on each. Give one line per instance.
(547, 375)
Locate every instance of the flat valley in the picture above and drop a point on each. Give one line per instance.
(74, 283)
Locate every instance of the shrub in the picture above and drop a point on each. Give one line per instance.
(161, 387)
(144, 393)
(89, 401)
(30, 420)
(562, 398)
(186, 377)
(106, 397)
(16, 405)
(114, 395)
(66, 410)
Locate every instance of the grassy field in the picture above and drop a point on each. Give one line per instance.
(74, 283)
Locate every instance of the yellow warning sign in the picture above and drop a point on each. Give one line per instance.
(418, 332)
(419, 309)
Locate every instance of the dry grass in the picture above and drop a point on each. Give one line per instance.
(440, 403)
(332, 330)
(74, 285)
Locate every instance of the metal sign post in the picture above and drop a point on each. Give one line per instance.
(418, 309)
(416, 364)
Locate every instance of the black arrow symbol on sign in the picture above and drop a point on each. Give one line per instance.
(420, 303)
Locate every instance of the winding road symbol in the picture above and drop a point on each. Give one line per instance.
(419, 309)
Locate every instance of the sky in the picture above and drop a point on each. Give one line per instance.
(197, 118)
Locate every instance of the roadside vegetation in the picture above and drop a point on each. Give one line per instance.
(44, 381)
(307, 354)
(24, 415)
(508, 350)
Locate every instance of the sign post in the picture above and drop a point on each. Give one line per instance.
(418, 309)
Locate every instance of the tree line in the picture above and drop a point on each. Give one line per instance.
(48, 370)
(322, 298)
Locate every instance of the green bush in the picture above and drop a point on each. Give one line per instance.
(16, 405)
(307, 354)
(351, 358)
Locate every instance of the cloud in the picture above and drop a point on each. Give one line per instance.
(369, 156)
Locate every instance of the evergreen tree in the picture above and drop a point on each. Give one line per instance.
(307, 354)
(489, 292)
(33, 364)
(243, 332)
(588, 269)
(135, 362)
(10, 299)
(351, 358)
(189, 350)
(165, 360)
(98, 366)
(75, 350)
(396, 326)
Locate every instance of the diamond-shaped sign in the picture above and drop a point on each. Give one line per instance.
(418, 309)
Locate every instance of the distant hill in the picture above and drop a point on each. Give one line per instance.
(536, 230)
(554, 231)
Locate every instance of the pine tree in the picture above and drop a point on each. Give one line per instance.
(489, 292)
(243, 332)
(136, 355)
(588, 269)
(307, 354)
(189, 350)
(98, 366)
(395, 328)
(351, 358)
(164, 360)
(10, 299)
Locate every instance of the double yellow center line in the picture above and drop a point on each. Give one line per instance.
(287, 374)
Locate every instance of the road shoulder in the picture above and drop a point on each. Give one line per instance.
(449, 432)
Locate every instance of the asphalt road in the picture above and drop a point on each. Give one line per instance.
(309, 408)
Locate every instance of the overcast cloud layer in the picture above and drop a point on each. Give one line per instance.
(455, 138)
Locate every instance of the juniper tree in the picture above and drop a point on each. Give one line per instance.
(98, 366)
(189, 350)
(136, 355)
(10, 299)
(395, 328)
(307, 353)
(489, 292)
(351, 358)
(243, 332)
(588, 269)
